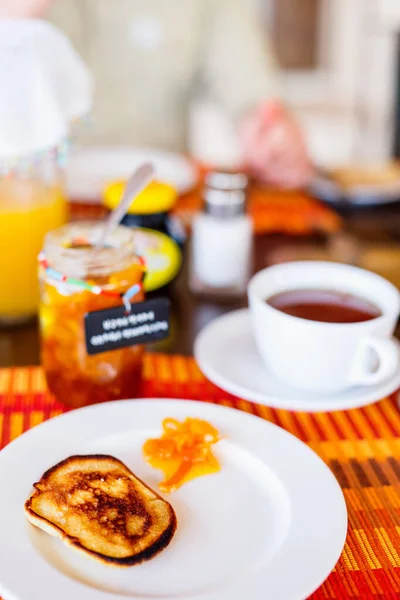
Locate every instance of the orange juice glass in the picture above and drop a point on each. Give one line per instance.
(29, 208)
(74, 377)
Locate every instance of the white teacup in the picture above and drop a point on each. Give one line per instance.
(325, 357)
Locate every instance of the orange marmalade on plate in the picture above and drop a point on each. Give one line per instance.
(183, 452)
(73, 376)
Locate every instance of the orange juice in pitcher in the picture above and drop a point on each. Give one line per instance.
(29, 208)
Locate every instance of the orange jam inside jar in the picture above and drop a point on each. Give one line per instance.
(73, 376)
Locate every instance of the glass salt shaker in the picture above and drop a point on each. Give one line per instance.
(222, 239)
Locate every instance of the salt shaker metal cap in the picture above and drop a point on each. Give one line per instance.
(225, 194)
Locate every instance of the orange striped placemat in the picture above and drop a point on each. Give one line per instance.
(362, 447)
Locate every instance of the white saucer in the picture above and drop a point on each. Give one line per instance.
(271, 524)
(227, 355)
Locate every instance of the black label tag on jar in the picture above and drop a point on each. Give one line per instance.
(115, 328)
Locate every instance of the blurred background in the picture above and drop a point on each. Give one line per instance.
(300, 96)
(340, 64)
(339, 67)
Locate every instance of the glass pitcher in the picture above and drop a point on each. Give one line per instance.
(32, 203)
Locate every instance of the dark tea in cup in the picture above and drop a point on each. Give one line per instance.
(325, 306)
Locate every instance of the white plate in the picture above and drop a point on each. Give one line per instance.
(327, 190)
(91, 168)
(226, 353)
(271, 524)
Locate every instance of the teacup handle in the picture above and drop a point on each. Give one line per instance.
(387, 352)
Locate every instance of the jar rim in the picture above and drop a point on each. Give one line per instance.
(83, 262)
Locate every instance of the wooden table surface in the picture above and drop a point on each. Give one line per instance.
(371, 238)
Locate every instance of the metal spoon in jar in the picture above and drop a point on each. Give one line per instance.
(136, 184)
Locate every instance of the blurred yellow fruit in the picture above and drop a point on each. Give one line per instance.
(156, 198)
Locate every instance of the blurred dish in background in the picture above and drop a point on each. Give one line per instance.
(359, 185)
(291, 212)
(90, 169)
(157, 233)
(158, 197)
(151, 209)
(162, 256)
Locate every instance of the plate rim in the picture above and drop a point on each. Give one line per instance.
(325, 405)
(165, 404)
(327, 190)
(92, 151)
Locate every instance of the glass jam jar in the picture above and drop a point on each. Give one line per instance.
(73, 376)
